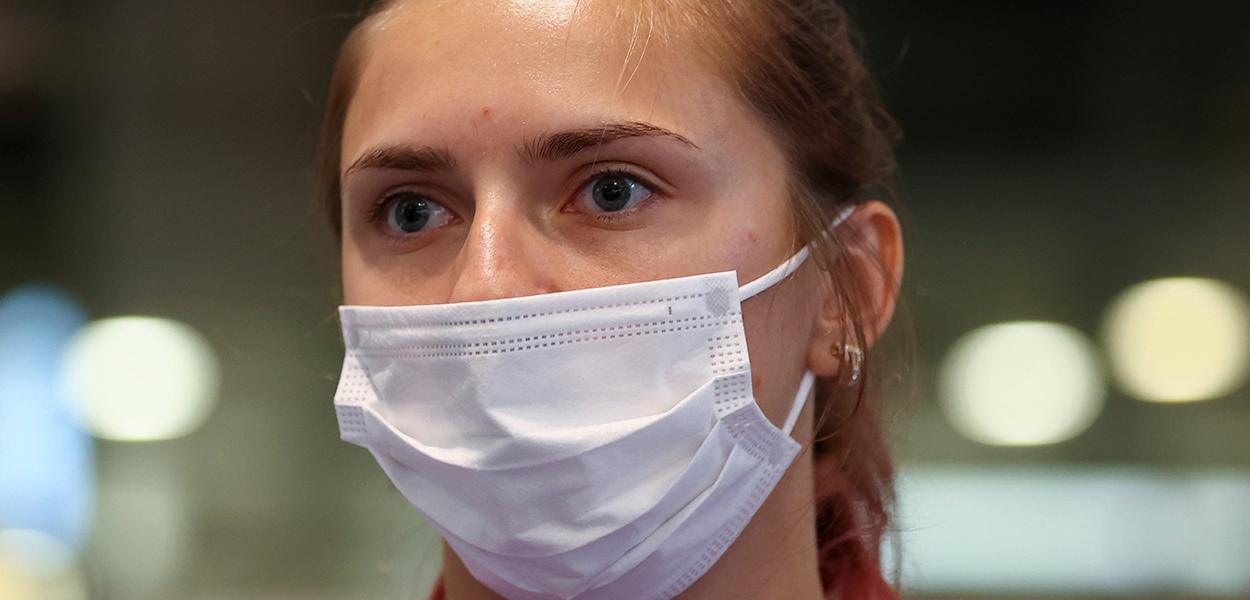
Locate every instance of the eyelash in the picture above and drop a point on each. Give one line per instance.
(609, 217)
(376, 211)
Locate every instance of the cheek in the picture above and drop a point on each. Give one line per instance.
(778, 329)
(372, 282)
(759, 231)
(776, 361)
(354, 281)
(746, 246)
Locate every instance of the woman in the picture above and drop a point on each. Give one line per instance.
(546, 211)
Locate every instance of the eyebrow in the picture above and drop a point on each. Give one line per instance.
(407, 158)
(563, 144)
(546, 147)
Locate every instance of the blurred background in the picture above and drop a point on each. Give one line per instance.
(1073, 419)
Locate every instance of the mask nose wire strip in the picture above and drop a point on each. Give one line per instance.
(791, 265)
(805, 388)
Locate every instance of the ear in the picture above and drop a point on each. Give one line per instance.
(871, 271)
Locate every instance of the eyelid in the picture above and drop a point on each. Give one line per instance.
(601, 169)
(644, 176)
(371, 186)
(377, 221)
(374, 210)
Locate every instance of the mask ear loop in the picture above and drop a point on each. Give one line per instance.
(791, 265)
(770, 279)
(800, 399)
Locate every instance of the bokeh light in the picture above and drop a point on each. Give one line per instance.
(142, 378)
(34, 552)
(1054, 530)
(46, 468)
(1021, 383)
(1180, 339)
(37, 566)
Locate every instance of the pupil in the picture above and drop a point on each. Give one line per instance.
(611, 193)
(411, 213)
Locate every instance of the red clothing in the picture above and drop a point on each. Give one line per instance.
(438, 593)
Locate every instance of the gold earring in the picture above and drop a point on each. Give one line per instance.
(856, 355)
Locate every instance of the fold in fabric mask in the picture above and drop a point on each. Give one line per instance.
(601, 443)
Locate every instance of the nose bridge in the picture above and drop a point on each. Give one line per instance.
(501, 256)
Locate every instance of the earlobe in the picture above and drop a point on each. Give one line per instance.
(828, 332)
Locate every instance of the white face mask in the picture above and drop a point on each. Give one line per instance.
(601, 443)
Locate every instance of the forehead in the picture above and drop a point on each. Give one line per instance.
(477, 72)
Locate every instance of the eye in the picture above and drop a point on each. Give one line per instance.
(612, 191)
(408, 212)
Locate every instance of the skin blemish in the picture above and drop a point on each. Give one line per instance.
(486, 113)
(752, 237)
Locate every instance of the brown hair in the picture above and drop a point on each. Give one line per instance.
(798, 66)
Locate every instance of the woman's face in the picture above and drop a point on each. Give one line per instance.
(500, 149)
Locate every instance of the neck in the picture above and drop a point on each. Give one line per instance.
(775, 557)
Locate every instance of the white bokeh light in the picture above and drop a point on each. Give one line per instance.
(1022, 383)
(141, 378)
(1178, 340)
